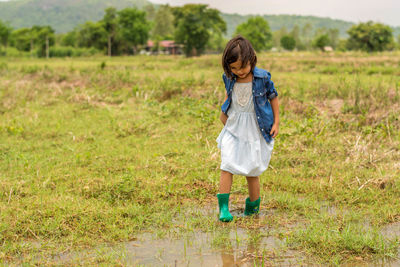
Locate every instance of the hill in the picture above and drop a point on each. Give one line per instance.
(278, 21)
(64, 15)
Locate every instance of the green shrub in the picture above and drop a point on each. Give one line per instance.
(13, 52)
(288, 42)
(69, 51)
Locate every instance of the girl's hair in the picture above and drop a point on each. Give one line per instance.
(238, 48)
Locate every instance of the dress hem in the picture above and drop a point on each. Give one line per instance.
(235, 173)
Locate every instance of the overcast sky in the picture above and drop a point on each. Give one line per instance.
(385, 11)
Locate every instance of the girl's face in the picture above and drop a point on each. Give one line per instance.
(236, 68)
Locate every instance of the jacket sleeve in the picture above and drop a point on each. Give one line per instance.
(269, 85)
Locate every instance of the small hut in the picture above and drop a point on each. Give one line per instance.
(168, 47)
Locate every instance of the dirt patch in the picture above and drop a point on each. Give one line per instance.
(293, 105)
(330, 107)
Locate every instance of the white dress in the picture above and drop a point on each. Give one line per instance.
(244, 150)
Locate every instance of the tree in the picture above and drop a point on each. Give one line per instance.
(333, 37)
(163, 23)
(398, 41)
(69, 39)
(22, 39)
(134, 27)
(5, 32)
(257, 31)
(27, 39)
(295, 33)
(288, 42)
(277, 36)
(321, 41)
(91, 34)
(331, 33)
(319, 32)
(342, 45)
(150, 12)
(194, 24)
(110, 24)
(44, 38)
(216, 42)
(370, 37)
(306, 33)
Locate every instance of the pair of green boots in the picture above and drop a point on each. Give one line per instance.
(252, 207)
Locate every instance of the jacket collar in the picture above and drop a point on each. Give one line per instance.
(259, 73)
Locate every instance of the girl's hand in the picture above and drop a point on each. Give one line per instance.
(275, 109)
(223, 118)
(274, 130)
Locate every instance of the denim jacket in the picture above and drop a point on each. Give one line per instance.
(263, 91)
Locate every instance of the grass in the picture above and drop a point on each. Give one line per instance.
(98, 150)
(336, 243)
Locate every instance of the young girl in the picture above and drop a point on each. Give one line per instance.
(250, 114)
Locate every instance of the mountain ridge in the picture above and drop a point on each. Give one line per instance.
(64, 15)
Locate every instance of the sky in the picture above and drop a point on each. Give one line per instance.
(384, 11)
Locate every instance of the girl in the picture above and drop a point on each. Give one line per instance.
(250, 114)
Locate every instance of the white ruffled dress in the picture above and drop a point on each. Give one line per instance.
(244, 150)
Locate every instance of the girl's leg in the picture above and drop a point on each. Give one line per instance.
(225, 182)
(253, 202)
(254, 187)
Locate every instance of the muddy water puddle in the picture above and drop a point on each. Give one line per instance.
(237, 247)
(390, 231)
(225, 248)
(224, 244)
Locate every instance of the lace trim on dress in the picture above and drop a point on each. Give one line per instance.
(243, 93)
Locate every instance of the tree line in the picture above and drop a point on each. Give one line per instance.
(196, 27)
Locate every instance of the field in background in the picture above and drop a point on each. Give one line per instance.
(96, 151)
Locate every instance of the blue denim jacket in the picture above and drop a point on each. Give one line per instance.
(263, 91)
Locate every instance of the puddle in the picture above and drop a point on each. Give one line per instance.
(329, 209)
(227, 247)
(390, 231)
(229, 244)
(243, 242)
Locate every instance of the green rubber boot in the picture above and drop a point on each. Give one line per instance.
(252, 207)
(223, 203)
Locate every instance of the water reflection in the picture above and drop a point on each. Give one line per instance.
(230, 257)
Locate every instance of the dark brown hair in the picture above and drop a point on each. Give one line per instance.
(238, 48)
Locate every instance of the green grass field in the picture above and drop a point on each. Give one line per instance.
(97, 151)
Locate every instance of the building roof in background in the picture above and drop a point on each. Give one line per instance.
(164, 43)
